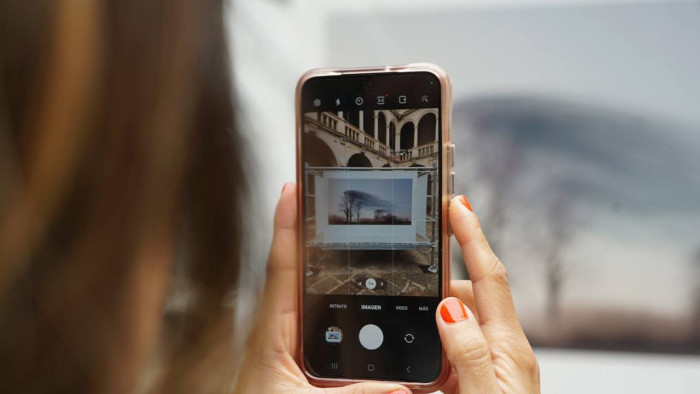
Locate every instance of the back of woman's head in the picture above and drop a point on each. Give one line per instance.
(119, 185)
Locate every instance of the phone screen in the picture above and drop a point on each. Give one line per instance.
(371, 211)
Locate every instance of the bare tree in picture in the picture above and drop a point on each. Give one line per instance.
(501, 169)
(558, 220)
(499, 164)
(347, 205)
(358, 207)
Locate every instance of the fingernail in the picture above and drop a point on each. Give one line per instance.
(453, 311)
(400, 391)
(465, 202)
(283, 187)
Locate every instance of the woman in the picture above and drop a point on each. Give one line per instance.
(121, 199)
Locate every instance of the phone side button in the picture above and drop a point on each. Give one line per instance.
(452, 195)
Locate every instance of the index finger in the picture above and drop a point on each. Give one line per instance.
(277, 314)
(492, 294)
(281, 276)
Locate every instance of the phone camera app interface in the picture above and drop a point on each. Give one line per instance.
(371, 213)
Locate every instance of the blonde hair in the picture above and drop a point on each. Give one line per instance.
(118, 164)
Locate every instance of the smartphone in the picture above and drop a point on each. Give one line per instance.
(375, 174)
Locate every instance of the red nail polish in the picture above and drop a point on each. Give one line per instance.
(453, 311)
(465, 202)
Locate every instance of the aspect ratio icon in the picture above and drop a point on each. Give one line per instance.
(359, 100)
(380, 100)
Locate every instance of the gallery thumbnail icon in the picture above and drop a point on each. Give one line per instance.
(334, 335)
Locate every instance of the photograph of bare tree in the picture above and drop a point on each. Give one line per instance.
(557, 184)
(370, 201)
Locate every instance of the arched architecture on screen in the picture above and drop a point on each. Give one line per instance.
(379, 138)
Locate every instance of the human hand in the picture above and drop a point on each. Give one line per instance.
(483, 340)
(270, 364)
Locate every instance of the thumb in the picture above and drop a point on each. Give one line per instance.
(465, 347)
(370, 388)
